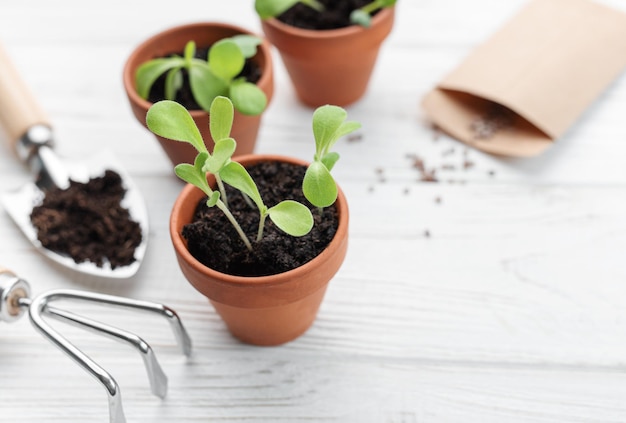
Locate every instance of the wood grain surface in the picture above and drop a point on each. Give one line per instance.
(497, 294)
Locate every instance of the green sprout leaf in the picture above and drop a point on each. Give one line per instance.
(221, 117)
(150, 71)
(173, 82)
(205, 86)
(170, 120)
(361, 17)
(213, 199)
(247, 97)
(247, 44)
(271, 8)
(226, 59)
(326, 121)
(194, 174)
(190, 51)
(292, 217)
(222, 152)
(235, 175)
(318, 186)
(329, 160)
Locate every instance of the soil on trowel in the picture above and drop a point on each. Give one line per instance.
(251, 71)
(336, 14)
(213, 241)
(87, 222)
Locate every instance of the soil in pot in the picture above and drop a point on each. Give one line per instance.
(87, 222)
(251, 71)
(212, 240)
(336, 14)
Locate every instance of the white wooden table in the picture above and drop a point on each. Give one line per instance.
(495, 295)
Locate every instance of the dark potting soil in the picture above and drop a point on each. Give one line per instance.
(251, 71)
(87, 222)
(336, 14)
(213, 241)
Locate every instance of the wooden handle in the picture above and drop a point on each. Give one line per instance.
(5, 270)
(18, 108)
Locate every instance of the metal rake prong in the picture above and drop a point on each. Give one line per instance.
(156, 375)
(158, 381)
(116, 411)
(180, 333)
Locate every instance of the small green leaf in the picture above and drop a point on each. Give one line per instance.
(361, 17)
(247, 98)
(271, 8)
(330, 159)
(190, 52)
(313, 4)
(189, 174)
(386, 3)
(235, 175)
(213, 199)
(205, 86)
(344, 129)
(247, 44)
(222, 152)
(292, 217)
(221, 115)
(150, 71)
(173, 82)
(170, 120)
(318, 186)
(326, 121)
(226, 59)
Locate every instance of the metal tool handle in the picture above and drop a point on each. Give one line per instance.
(12, 290)
(19, 111)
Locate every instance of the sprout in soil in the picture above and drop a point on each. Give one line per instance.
(329, 124)
(216, 76)
(363, 16)
(272, 8)
(171, 120)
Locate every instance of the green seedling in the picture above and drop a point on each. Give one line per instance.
(363, 16)
(271, 8)
(171, 120)
(329, 124)
(216, 76)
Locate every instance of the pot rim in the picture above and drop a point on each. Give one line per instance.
(348, 31)
(190, 191)
(129, 77)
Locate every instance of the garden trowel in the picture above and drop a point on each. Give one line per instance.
(27, 128)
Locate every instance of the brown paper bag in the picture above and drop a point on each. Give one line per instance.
(526, 85)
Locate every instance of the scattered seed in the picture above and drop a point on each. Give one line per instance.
(467, 164)
(354, 137)
(438, 200)
(426, 233)
(496, 118)
(448, 152)
(448, 166)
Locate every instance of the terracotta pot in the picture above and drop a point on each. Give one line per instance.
(264, 310)
(330, 66)
(245, 128)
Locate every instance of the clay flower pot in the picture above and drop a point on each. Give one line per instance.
(330, 66)
(264, 310)
(245, 128)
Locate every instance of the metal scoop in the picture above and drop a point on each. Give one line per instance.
(15, 301)
(30, 133)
